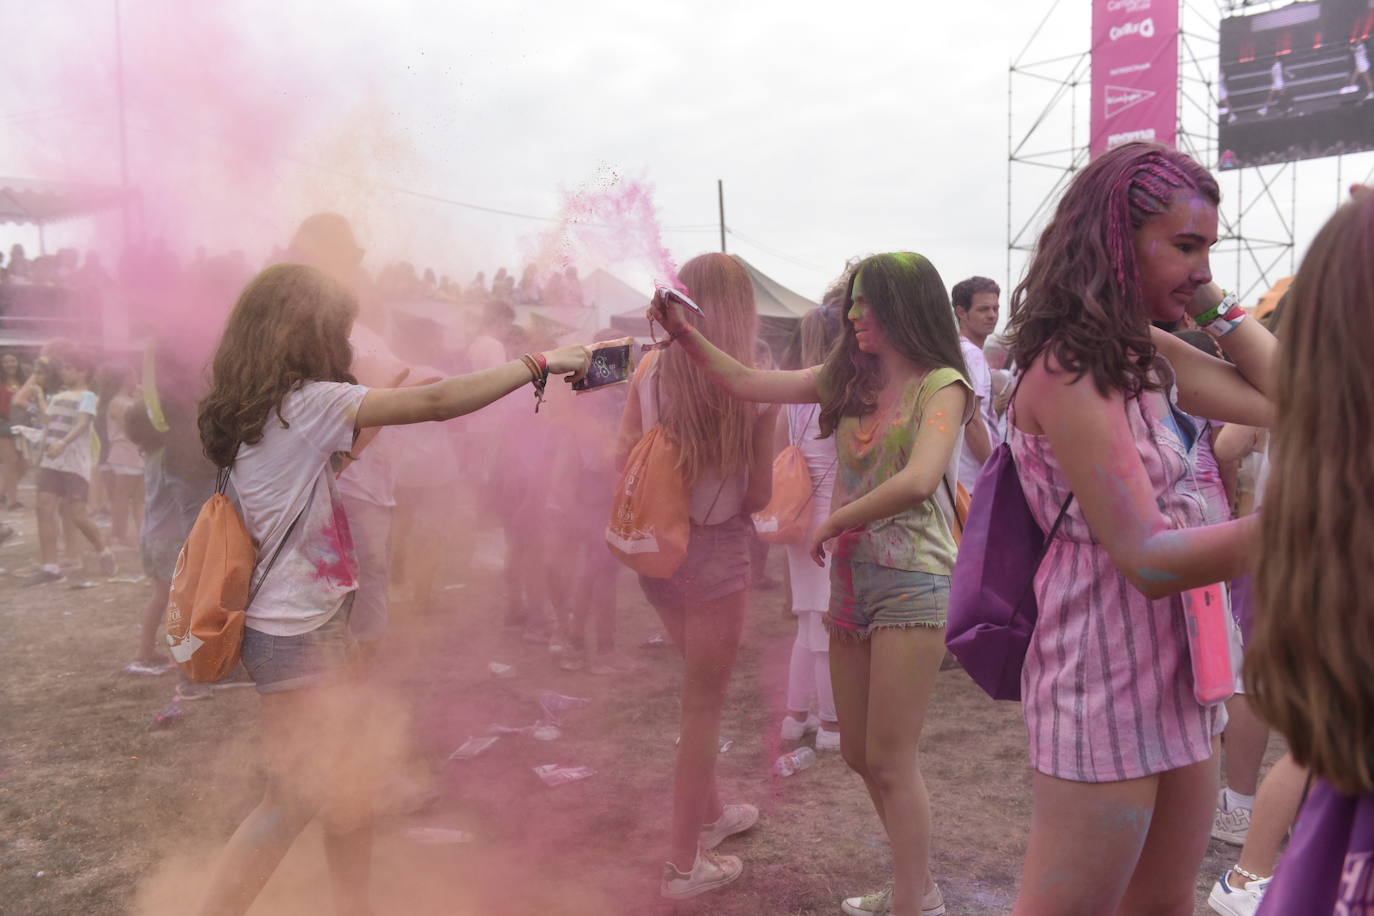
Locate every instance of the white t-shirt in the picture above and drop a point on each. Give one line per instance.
(289, 474)
(811, 583)
(64, 412)
(981, 377)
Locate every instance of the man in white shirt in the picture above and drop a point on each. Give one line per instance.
(975, 307)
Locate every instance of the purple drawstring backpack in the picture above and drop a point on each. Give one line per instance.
(1328, 867)
(992, 607)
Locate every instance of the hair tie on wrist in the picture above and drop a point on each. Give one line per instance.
(538, 364)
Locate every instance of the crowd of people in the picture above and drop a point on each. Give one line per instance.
(1148, 418)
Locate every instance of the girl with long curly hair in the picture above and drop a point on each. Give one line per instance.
(283, 414)
(895, 395)
(1308, 665)
(1124, 755)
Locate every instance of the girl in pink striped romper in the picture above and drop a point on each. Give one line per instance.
(1124, 755)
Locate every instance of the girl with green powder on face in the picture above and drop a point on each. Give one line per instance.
(894, 394)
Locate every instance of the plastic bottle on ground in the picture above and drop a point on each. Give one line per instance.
(794, 762)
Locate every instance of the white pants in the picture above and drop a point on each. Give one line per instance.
(808, 677)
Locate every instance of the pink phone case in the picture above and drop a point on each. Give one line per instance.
(1209, 643)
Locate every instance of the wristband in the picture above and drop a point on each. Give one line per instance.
(543, 363)
(1229, 301)
(1220, 327)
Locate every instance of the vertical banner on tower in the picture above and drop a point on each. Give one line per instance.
(1135, 72)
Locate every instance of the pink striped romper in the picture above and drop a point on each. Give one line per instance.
(1107, 690)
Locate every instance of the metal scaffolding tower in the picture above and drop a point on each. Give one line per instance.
(1047, 143)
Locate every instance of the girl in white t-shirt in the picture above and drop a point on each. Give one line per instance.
(283, 414)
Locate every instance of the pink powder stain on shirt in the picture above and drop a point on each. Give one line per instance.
(337, 562)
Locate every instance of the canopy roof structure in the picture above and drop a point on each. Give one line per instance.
(775, 300)
(780, 314)
(610, 295)
(29, 200)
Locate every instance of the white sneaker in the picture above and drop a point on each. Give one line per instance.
(733, 819)
(710, 871)
(826, 740)
(1230, 825)
(879, 903)
(1230, 901)
(792, 730)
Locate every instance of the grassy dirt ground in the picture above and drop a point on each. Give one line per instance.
(104, 812)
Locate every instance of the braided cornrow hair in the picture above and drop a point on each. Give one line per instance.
(1080, 301)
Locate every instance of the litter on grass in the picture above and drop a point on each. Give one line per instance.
(170, 714)
(539, 731)
(553, 775)
(473, 747)
(725, 743)
(556, 706)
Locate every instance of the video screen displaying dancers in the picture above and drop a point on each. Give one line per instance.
(1295, 83)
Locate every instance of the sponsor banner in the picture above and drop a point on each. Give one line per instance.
(1134, 72)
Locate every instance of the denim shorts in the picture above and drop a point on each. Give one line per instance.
(277, 663)
(62, 484)
(865, 597)
(717, 565)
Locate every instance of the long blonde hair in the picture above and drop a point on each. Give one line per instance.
(714, 431)
(1308, 665)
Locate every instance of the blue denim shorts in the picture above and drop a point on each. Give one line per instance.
(277, 663)
(865, 597)
(717, 565)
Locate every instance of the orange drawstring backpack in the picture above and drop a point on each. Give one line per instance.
(787, 517)
(210, 593)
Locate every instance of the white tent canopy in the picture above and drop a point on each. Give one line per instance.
(780, 313)
(36, 202)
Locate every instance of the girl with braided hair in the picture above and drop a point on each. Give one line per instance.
(1124, 755)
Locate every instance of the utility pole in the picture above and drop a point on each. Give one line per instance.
(123, 133)
(720, 199)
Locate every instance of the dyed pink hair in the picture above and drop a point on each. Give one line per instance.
(1080, 299)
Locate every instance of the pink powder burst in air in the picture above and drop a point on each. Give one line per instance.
(612, 222)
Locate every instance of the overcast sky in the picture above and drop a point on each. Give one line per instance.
(838, 129)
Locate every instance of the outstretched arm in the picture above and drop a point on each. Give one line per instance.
(462, 394)
(772, 386)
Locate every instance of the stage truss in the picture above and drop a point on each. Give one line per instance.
(1047, 143)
